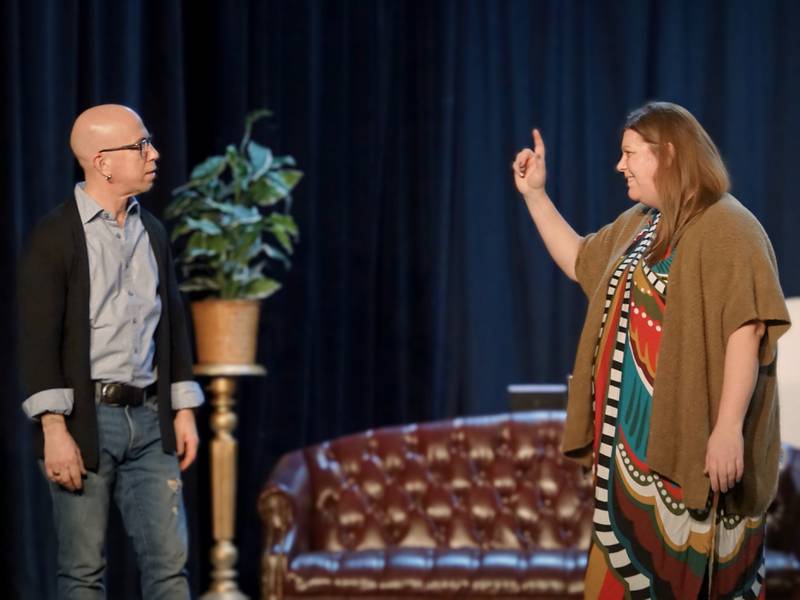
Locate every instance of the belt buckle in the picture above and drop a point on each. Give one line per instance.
(107, 394)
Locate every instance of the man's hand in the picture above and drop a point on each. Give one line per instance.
(63, 463)
(725, 457)
(186, 437)
(529, 169)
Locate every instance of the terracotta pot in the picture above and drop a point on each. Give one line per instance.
(226, 331)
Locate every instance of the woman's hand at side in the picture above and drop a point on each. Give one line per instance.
(725, 449)
(725, 457)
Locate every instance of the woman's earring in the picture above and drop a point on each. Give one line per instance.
(108, 178)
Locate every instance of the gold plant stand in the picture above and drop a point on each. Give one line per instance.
(223, 446)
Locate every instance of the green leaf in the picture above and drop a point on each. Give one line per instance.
(265, 193)
(241, 275)
(189, 255)
(251, 118)
(236, 214)
(283, 161)
(245, 275)
(261, 288)
(199, 284)
(284, 222)
(248, 245)
(190, 224)
(277, 182)
(182, 203)
(200, 244)
(274, 253)
(211, 167)
(240, 170)
(260, 159)
(222, 191)
(284, 228)
(283, 239)
(288, 177)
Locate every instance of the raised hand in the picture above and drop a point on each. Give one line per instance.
(530, 172)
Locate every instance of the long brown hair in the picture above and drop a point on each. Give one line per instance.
(690, 176)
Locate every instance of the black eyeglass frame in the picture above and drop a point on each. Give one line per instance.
(140, 146)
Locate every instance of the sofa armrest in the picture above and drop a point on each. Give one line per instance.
(783, 517)
(283, 507)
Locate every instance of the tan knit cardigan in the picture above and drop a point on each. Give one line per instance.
(723, 275)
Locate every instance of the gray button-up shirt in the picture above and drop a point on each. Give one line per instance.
(124, 308)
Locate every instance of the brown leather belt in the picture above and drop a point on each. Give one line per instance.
(122, 394)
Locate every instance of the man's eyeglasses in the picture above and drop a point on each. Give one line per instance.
(142, 146)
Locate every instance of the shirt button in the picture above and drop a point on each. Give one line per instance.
(134, 320)
(119, 236)
(130, 292)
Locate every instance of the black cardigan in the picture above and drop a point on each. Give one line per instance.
(54, 310)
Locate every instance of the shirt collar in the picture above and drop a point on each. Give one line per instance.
(89, 209)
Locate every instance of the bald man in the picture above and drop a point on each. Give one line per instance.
(107, 366)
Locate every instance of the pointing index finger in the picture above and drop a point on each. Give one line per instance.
(538, 143)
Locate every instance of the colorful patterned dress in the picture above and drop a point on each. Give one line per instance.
(646, 543)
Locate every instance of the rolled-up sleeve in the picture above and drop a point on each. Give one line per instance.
(186, 394)
(58, 400)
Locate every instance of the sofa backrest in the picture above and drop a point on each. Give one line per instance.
(476, 482)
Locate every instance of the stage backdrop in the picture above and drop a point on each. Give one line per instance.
(420, 289)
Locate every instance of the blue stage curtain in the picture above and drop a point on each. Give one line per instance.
(420, 288)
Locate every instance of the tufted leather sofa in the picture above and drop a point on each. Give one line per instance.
(479, 507)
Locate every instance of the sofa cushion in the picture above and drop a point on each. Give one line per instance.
(421, 572)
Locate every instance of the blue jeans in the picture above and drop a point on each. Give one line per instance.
(146, 485)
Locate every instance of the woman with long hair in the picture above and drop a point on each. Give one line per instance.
(672, 402)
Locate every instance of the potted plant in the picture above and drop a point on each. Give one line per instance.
(234, 217)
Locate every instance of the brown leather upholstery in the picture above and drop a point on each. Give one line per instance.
(481, 507)
(783, 532)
